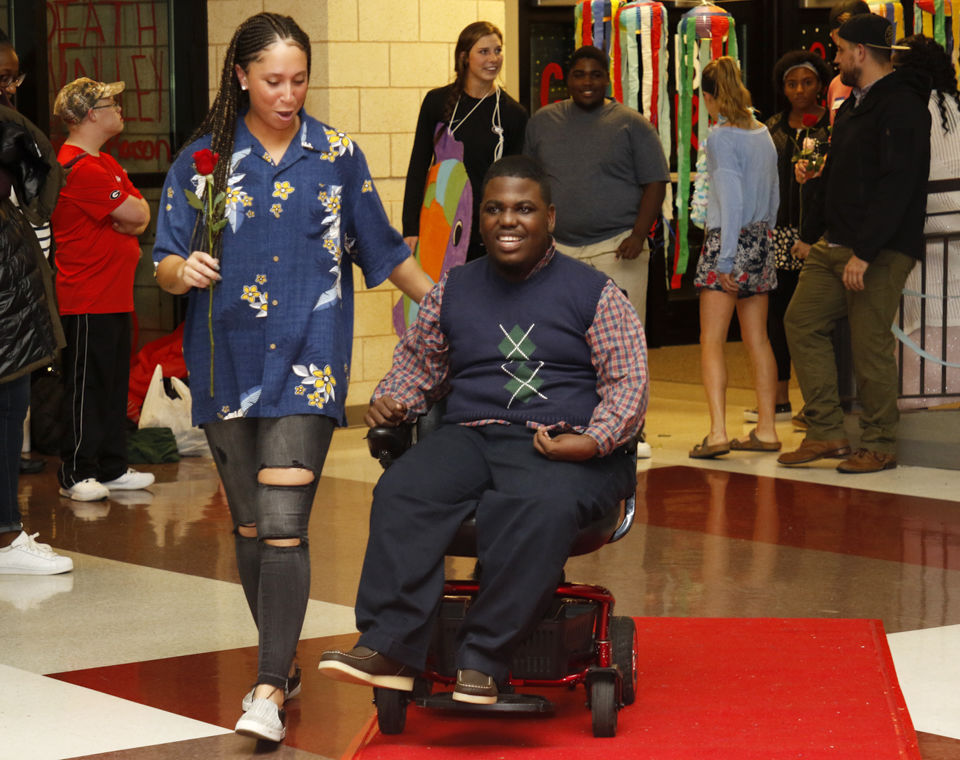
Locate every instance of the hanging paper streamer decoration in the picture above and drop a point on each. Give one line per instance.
(930, 18)
(639, 62)
(703, 34)
(595, 26)
(892, 12)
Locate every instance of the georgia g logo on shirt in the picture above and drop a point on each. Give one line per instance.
(114, 195)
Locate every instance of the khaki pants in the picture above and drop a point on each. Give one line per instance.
(819, 301)
(628, 274)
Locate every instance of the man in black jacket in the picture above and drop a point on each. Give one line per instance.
(874, 197)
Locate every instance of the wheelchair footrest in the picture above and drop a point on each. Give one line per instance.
(506, 703)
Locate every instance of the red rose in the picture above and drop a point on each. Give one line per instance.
(711, 278)
(205, 160)
(810, 120)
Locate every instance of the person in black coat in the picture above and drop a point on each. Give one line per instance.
(30, 332)
(800, 78)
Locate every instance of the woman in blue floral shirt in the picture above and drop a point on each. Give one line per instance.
(269, 325)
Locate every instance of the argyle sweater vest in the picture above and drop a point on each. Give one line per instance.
(518, 350)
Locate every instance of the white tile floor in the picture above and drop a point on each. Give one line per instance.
(121, 613)
(928, 667)
(109, 612)
(46, 719)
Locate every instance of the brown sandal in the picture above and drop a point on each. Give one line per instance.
(754, 444)
(706, 450)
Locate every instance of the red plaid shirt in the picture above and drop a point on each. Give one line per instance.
(618, 351)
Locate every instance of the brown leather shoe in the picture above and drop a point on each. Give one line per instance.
(475, 687)
(366, 667)
(811, 450)
(864, 460)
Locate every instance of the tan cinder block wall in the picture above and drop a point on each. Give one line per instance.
(372, 63)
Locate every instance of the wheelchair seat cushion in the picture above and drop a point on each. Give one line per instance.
(590, 537)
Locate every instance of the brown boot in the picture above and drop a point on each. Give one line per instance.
(864, 460)
(811, 450)
(367, 667)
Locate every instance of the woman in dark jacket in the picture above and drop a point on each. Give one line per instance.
(30, 332)
(801, 78)
(473, 111)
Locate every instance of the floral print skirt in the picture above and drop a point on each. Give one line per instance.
(783, 240)
(754, 267)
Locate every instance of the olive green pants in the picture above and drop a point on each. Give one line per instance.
(819, 301)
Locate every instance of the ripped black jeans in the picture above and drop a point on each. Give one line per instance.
(275, 579)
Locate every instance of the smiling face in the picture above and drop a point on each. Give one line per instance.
(485, 61)
(587, 83)
(801, 87)
(515, 224)
(277, 84)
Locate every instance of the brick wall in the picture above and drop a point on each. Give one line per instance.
(373, 61)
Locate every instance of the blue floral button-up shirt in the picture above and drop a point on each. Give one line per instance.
(283, 312)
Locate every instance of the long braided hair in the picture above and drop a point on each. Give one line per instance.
(928, 55)
(461, 60)
(252, 37)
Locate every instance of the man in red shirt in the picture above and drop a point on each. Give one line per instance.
(95, 226)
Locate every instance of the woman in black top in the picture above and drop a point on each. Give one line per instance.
(478, 113)
(801, 77)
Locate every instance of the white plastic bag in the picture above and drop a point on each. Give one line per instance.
(159, 410)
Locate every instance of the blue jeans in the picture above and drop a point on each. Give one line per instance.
(275, 579)
(14, 400)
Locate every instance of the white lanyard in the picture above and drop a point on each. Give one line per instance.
(495, 127)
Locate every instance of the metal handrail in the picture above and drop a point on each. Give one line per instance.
(944, 239)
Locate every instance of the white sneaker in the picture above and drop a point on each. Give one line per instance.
(291, 690)
(264, 720)
(131, 480)
(89, 489)
(27, 557)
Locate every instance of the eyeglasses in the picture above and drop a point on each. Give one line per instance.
(9, 80)
(106, 105)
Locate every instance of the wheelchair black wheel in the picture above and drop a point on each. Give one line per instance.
(603, 707)
(391, 710)
(623, 635)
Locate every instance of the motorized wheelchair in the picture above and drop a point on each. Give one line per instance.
(578, 641)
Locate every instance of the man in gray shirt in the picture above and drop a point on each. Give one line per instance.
(608, 175)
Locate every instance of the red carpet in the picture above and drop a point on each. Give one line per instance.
(743, 689)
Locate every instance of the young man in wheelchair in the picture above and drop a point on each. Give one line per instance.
(541, 362)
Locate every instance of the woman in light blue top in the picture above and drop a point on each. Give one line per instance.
(736, 269)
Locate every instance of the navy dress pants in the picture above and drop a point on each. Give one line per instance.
(529, 510)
